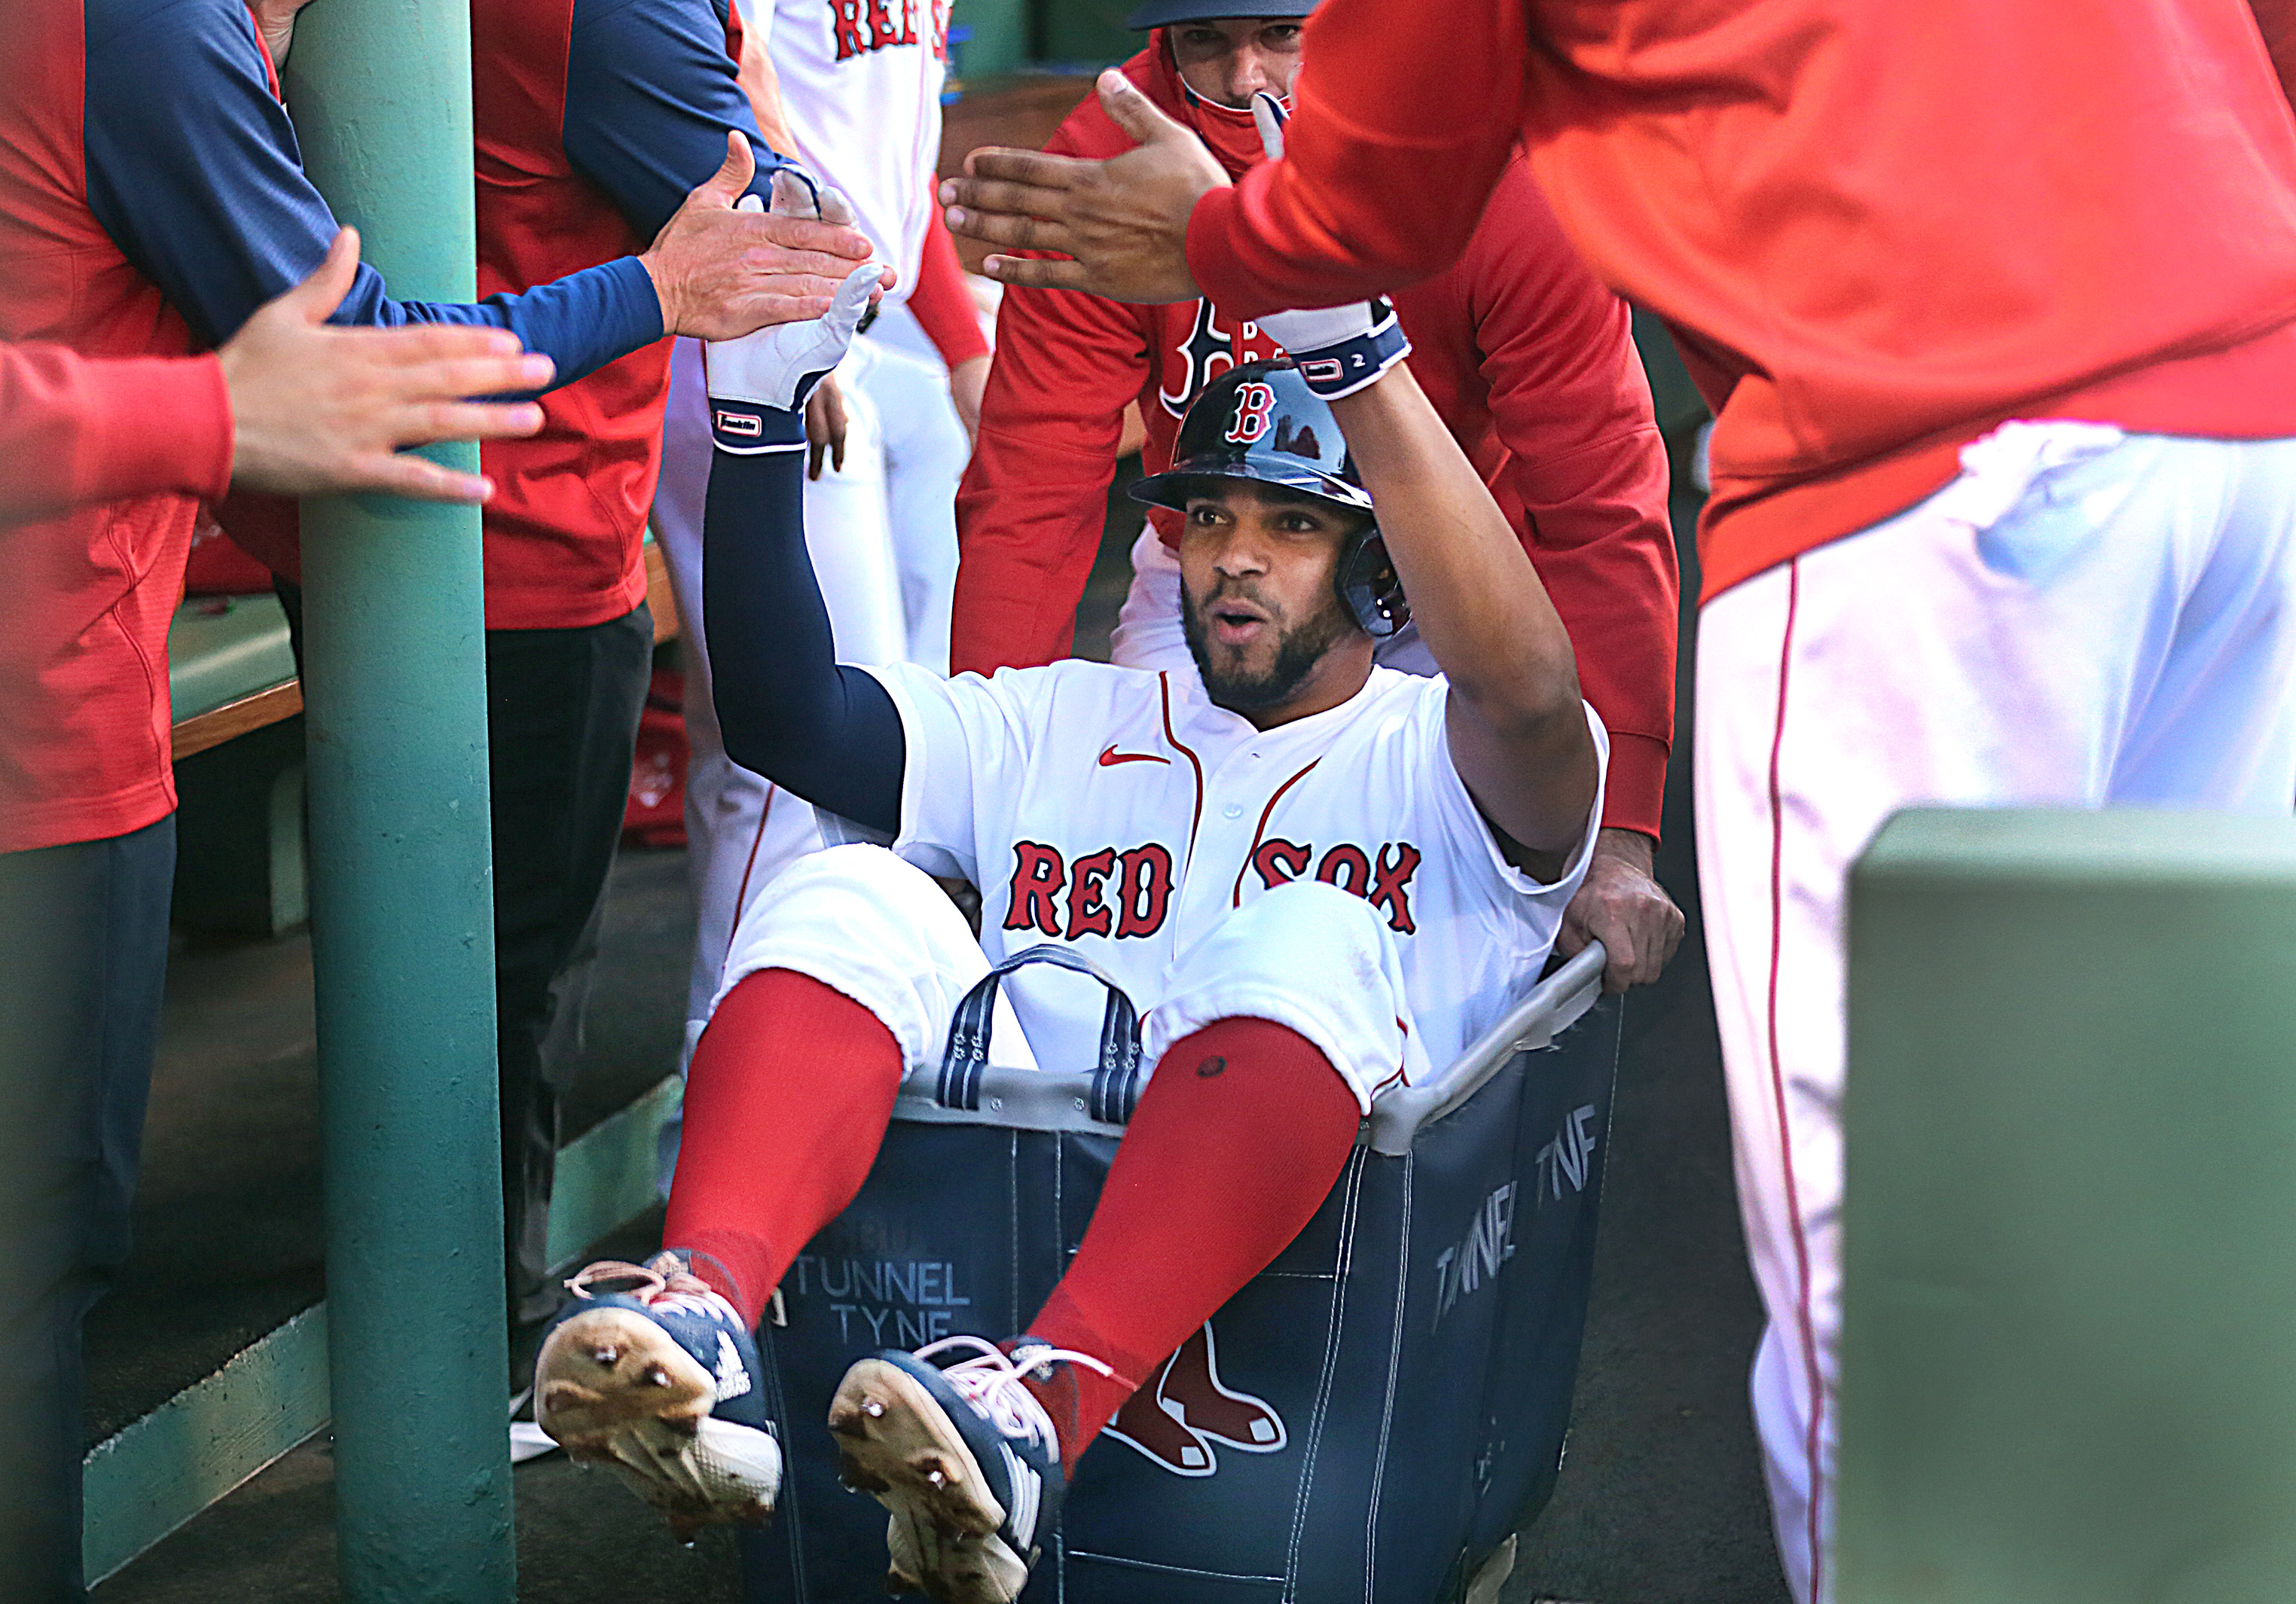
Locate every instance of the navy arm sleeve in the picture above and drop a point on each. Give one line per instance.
(194, 170)
(787, 708)
(649, 93)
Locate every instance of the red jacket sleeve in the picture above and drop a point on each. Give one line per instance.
(1588, 469)
(943, 306)
(75, 429)
(1383, 176)
(1034, 501)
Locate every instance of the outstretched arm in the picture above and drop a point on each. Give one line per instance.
(1518, 731)
(1382, 186)
(788, 710)
(289, 405)
(1516, 724)
(194, 171)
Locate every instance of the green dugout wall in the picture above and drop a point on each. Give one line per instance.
(2068, 1344)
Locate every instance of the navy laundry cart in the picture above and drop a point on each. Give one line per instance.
(1367, 1419)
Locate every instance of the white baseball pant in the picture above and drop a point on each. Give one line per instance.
(867, 923)
(2082, 618)
(925, 449)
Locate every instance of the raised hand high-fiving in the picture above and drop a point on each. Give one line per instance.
(778, 367)
(723, 269)
(1123, 223)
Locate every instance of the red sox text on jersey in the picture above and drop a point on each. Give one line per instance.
(1122, 811)
(864, 25)
(1127, 893)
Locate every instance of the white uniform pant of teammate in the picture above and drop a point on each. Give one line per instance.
(865, 922)
(2081, 619)
(888, 600)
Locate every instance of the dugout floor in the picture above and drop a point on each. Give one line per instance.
(1660, 1498)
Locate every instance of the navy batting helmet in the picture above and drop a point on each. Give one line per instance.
(1163, 13)
(1261, 422)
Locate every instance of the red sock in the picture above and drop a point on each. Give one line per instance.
(786, 1102)
(1239, 1138)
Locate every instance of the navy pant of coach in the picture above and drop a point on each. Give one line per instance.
(83, 963)
(562, 709)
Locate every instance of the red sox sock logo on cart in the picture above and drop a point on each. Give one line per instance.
(1185, 1408)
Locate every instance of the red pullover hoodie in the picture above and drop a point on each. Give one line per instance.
(1529, 360)
(1885, 229)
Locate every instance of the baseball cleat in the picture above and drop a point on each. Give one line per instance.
(652, 1373)
(963, 1456)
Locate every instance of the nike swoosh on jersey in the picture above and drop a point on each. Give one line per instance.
(1110, 756)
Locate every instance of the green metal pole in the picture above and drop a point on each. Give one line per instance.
(402, 910)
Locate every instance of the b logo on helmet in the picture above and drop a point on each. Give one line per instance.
(1255, 405)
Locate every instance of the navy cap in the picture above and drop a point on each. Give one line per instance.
(1163, 13)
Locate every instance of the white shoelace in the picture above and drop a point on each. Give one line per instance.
(991, 1382)
(661, 1283)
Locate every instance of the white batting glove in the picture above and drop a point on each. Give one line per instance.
(1339, 349)
(774, 369)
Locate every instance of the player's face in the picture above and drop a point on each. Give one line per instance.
(1228, 60)
(1262, 619)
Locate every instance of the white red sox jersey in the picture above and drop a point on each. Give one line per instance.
(1119, 812)
(862, 80)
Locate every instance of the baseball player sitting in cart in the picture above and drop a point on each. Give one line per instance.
(1318, 878)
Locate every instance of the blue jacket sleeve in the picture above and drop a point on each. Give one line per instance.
(649, 93)
(194, 170)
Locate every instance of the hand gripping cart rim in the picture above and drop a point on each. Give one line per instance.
(1369, 1419)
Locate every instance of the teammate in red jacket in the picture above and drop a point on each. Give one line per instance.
(1996, 304)
(152, 201)
(1528, 358)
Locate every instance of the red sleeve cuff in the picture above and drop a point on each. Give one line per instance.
(161, 424)
(79, 430)
(208, 452)
(1634, 792)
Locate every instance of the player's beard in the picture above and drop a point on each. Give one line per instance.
(1298, 647)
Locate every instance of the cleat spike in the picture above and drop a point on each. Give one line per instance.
(656, 1376)
(873, 1408)
(605, 1355)
(857, 1478)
